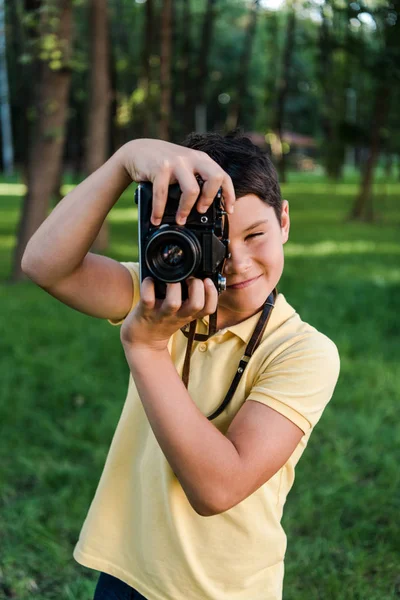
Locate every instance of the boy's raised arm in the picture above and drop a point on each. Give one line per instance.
(57, 257)
(61, 243)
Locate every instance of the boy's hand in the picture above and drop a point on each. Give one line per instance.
(152, 322)
(163, 163)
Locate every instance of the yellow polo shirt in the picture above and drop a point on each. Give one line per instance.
(140, 526)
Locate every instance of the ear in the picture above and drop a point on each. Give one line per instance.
(285, 221)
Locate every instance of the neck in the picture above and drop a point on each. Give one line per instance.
(225, 320)
(228, 318)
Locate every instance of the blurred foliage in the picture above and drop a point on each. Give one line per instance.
(339, 56)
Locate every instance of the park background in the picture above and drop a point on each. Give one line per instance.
(317, 85)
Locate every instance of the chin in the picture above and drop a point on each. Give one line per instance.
(242, 300)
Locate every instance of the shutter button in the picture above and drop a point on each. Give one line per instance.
(203, 347)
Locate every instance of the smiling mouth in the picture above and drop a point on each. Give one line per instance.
(243, 284)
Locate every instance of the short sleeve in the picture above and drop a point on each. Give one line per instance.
(300, 381)
(133, 269)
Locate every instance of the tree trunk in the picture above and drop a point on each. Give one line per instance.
(335, 83)
(165, 69)
(363, 207)
(389, 165)
(386, 73)
(56, 194)
(199, 86)
(272, 47)
(97, 140)
(33, 73)
(7, 139)
(283, 87)
(325, 74)
(236, 108)
(187, 80)
(47, 144)
(147, 45)
(24, 92)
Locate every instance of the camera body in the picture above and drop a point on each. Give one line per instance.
(170, 253)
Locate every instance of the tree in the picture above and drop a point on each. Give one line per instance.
(8, 150)
(271, 51)
(338, 47)
(97, 140)
(387, 74)
(199, 86)
(243, 76)
(220, 60)
(283, 86)
(45, 153)
(147, 46)
(165, 69)
(186, 83)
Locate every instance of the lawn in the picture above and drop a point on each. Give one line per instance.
(64, 379)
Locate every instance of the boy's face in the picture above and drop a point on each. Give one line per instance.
(257, 260)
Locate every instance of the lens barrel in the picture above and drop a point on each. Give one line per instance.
(172, 254)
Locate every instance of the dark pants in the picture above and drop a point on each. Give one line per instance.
(111, 588)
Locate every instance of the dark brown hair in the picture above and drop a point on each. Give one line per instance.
(251, 171)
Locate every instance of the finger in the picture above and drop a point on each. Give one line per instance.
(212, 183)
(147, 293)
(215, 177)
(190, 192)
(160, 192)
(211, 298)
(173, 299)
(196, 298)
(228, 194)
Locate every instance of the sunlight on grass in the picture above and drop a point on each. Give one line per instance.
(66, 188)
(381, 280)
(377, 274)
(12, 189)
(309, 216)
(330, 247)
(20, 189)
(9, 217)
(337, 189)
(127, 250)
(122, 215)
(7, 241)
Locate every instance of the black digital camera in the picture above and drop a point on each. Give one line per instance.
(170, 253)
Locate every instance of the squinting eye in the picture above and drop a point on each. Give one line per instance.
(252, 235)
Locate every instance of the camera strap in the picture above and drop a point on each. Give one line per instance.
(250, 349)
(189, 330)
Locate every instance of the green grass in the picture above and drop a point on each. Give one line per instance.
(63, 384)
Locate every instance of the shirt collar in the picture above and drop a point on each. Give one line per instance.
(244, 330)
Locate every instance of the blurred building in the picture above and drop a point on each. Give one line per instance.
(301, 150)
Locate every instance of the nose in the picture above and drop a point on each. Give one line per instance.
(238, 262)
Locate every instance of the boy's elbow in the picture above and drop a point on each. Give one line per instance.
(27, 261)
(207, 507)
(26, 266)
(28, 269)
(205, 511)
(33, 269)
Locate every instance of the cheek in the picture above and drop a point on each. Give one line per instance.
(269, 253)
(272, 257)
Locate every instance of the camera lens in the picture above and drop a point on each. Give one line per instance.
(172, 254)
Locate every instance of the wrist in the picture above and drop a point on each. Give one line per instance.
(144, 350)
(115, 171)
(128, 153)
(138, 348)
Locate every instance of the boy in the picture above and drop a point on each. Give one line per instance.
(189, 507)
